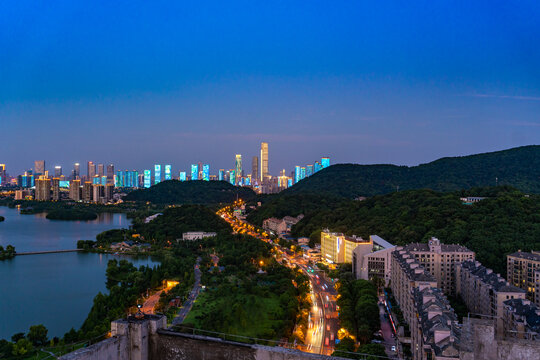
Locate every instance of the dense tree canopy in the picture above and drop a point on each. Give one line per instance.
(191, 192)
(504, 222)
(518, 167)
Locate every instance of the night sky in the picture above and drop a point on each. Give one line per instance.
(145, 82)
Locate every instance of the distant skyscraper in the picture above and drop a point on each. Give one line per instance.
(297, 174)
(147, 178)
(43, 189)
(302, 173)
(56, 189)
(168, 172)
(39, 167)
(90, 170)
(76, 171)
(110, 173)
(157, 174)
(3, 179)
(264, 161)
(221, 174)
(238, 167)
(206, 172)
(194, 172)
(100, 170)
(182, 176)
(75, 190)
(57, 171)
(96, 180)
(325, 162)
(232, 177)
(255, 168)
(309, 170)
(317, 167)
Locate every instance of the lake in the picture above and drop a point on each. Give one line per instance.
(55, 290)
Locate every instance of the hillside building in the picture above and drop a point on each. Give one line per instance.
(523, 271)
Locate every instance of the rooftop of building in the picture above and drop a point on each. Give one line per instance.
(527, 310)
(414, 270)
(380, 241)
(487, 276)
(436, 315)
(353, 238)
(535, 256)
(434, 242)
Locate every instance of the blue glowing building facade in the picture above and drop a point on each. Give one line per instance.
(157, 174)
(194, 172)
(206, 172)
(168, 172)
(147, 182)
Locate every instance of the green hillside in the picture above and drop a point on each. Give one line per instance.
(517, 167)
(191, 192)
(503, 223)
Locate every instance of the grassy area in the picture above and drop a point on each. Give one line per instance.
(255, 314)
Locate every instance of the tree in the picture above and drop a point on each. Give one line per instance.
(22, 347)
(38, 335)
(372, 349)
(16, 337)
(345, 348)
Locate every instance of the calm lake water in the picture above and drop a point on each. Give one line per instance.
(55, 290)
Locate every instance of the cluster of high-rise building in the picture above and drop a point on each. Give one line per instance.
(100, 174)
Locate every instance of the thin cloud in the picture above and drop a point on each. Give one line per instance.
(525, 123)
(511, 97)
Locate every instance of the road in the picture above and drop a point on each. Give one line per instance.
(150, 303)
(387, 332)
(323, 318)
(188, 304)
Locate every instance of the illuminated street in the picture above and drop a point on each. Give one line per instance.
(323, 323)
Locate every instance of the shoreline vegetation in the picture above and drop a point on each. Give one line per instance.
(7, 253)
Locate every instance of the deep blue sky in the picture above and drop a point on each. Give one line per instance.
(142, 82)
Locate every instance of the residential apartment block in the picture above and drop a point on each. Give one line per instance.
(408, 274)
(521, 319)
(483, 291)
(435, 331)
(440, 260)
(523, 271)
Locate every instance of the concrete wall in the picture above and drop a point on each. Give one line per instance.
(172, 345)
(486, 346)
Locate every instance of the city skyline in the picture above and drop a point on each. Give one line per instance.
(363, 83)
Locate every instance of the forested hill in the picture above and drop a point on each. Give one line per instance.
(506, 221)
(191, 192)
(517, 167)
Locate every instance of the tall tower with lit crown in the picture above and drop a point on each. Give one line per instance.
(264, 161)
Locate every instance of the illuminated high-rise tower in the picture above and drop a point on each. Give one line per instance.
(264, 161)
(100, 170)
(182, 176)
(206, 172)
(157, 174)
(90, 170)
(76, 171)
(297, 174)
(221, 174)
(57, 171)
(110, 173)
(255, 168)
(238, 167)
(168, 173)
(325, 162)
(147, 178)
(39, 167)
(194, 172)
